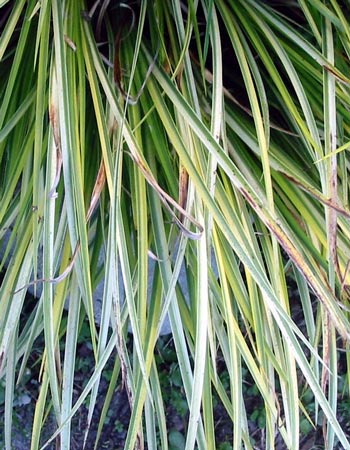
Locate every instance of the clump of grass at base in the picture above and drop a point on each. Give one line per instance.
(124, 134)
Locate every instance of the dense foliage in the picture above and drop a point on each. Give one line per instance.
(206, 141)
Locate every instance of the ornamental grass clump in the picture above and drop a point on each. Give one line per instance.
(142, 140)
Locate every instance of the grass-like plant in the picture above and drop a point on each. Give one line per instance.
(210, 136)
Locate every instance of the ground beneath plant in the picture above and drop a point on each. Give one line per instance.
(115, 428)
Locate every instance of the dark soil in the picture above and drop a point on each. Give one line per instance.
(115, 428)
